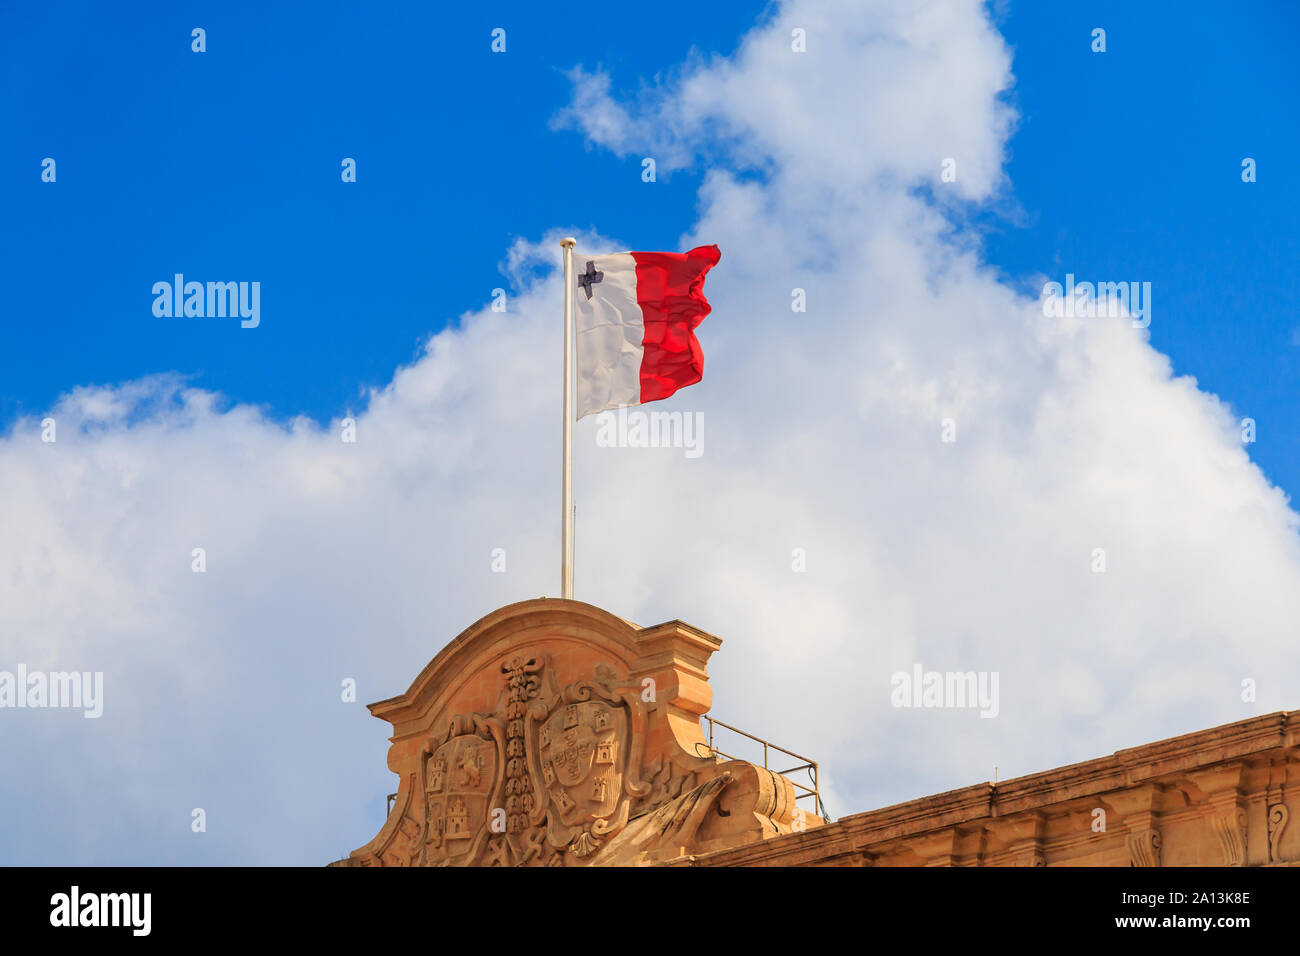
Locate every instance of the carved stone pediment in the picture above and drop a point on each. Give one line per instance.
(552, 733)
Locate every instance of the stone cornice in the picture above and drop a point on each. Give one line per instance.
(1137, 772)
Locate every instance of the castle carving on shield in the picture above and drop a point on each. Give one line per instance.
(553, 733)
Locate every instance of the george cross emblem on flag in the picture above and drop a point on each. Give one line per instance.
(586, 279)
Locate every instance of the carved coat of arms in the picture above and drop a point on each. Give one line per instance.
(462, 784)
(551, 776)
(535, 738)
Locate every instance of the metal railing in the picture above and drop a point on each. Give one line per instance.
(810, 766)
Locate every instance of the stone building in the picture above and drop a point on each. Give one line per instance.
(552, 733)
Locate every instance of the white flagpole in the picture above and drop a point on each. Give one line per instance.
(566, 483)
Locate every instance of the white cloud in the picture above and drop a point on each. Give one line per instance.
(884, 90)
(328, 560)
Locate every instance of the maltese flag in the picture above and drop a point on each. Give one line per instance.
(635, 315)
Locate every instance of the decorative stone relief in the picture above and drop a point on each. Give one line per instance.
(547, 781)
(1278, 814)
(552, 733)
(1230, 828)
(1144, 848)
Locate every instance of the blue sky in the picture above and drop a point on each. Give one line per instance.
(226, 165)
(330, 561)
(1128, 164)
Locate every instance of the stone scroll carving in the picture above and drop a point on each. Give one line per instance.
(1230, 828)
(1278, 814)
(1144, 848)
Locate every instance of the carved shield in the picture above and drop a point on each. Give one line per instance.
(581, 749)
(460, 781)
